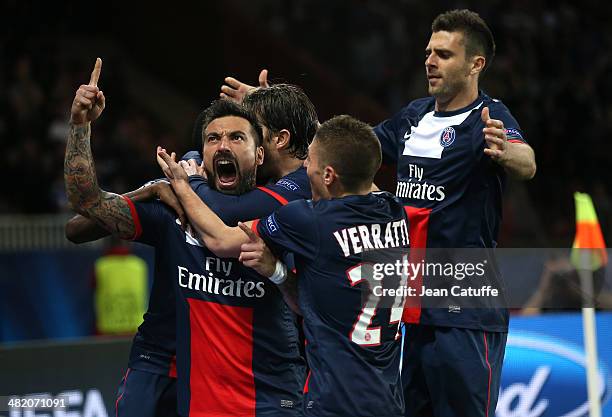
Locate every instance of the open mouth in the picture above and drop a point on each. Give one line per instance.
(227, 172)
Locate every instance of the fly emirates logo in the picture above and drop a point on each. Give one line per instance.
(417, 189)
(211, 283)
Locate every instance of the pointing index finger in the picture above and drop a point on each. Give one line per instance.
(95, 74)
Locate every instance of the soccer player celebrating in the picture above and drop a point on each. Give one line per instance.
(352, 349)
(289, 121)
(453, 151)
(237, 345)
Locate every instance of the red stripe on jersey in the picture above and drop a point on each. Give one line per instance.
(307, 381)
(515, 141)
(172, 370)
(419, 224)
(254, 227)
(125, 377)
(221, 370)
(276, 195)
(135, 217)
(489, 366)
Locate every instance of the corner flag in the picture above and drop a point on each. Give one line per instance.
(588, 235)
(589, 254)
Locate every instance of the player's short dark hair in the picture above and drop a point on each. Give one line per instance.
(352, 149)
(286, 106)
(223, 108)
(478, 36)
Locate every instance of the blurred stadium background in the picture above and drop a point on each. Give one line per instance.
(163, 64)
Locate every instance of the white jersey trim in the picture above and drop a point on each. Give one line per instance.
(424, 139)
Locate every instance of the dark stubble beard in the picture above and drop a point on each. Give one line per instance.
(452, 87)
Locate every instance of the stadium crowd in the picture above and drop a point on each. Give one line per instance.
(550, 70)
(35, 90)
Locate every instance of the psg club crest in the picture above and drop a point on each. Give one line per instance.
(447, 137)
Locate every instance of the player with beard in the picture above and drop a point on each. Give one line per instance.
(453, 152)
(211, 288)
(353, 349)
(289, 122)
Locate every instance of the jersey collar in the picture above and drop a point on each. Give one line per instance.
(472, 105)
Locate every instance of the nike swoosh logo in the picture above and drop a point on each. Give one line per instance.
(407, 135)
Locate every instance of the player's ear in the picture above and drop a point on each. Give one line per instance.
(478, 64)
(329, 175)
(259, 155)
(283, 139)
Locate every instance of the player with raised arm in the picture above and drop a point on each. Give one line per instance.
(453, 151)
(353, 349)
(264, 369)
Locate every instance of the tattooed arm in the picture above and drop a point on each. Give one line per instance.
(80, 229)
(109, 210)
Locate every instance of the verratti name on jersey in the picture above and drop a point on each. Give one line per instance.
(357, 239)
(210, 282)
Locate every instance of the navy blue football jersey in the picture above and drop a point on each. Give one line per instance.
(452, 190)
(264, 199)
(154, 345)
(237, 342)
(352, 348)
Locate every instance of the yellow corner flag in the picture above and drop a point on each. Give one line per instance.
(588, 234)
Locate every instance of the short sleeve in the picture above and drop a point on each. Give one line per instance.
(387, 133)
(294, 186)
(513, 130)
(256, 203)
(234, 208)
(292, 228)
(152, 220)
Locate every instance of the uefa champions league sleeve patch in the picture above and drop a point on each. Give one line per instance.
(288, 184)
(513, 134)
(271, 224)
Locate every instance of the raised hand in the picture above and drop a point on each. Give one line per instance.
(162, 164)
(173, 171)
(89, 100)
(109, 210)
(236, 90)
(495, 136)
(255, 254)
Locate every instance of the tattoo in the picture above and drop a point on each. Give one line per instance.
(109, 210)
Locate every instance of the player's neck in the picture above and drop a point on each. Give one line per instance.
(286, 166)
(339, 193)
(458, 101)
